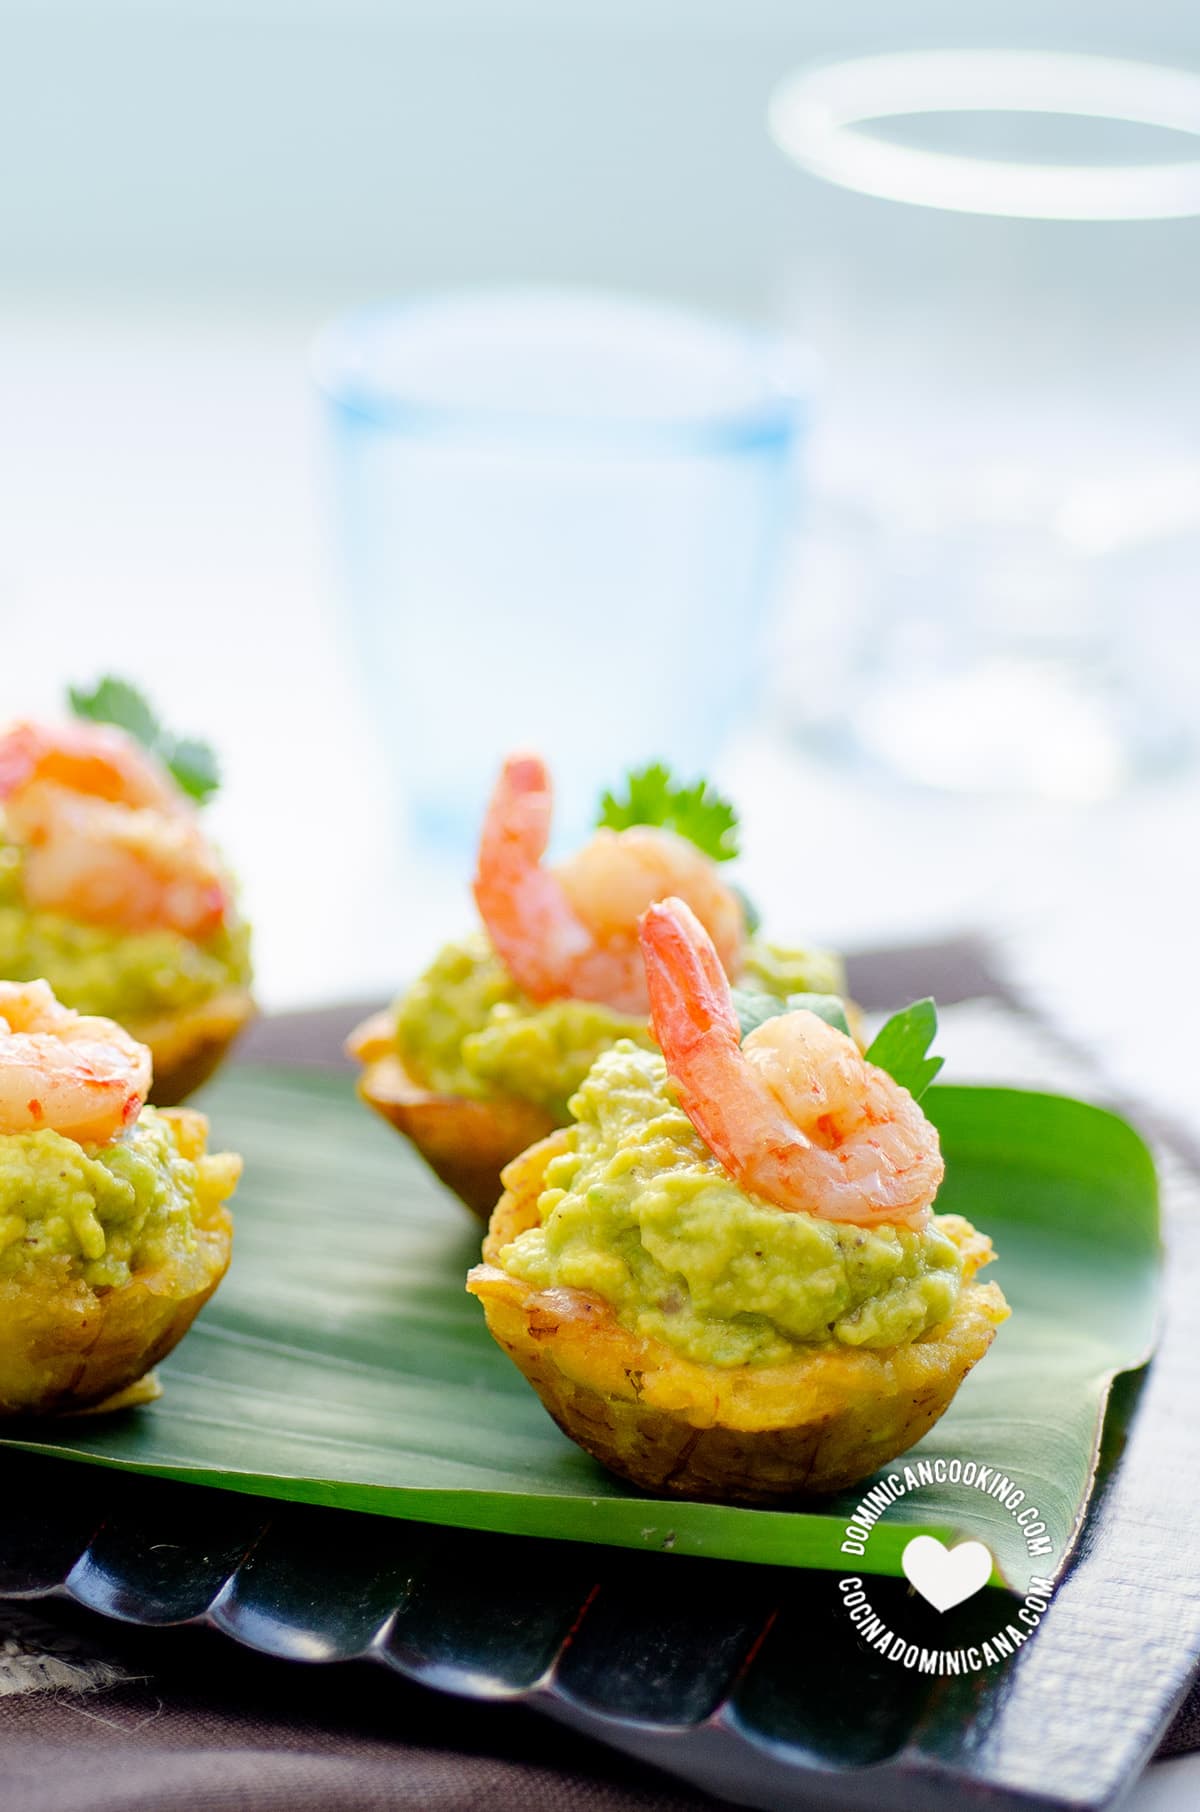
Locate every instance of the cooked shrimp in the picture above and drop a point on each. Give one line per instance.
(573, 930)
(795, 1114)
(84, 1078)
(94, 759)
(108, 838)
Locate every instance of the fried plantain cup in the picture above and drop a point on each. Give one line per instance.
(747, 1434)
(465, 1142)
(188, 1046)
(67, 1347)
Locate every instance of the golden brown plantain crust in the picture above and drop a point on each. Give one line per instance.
(467, 1143)
(750, 1434)
(65, 1346)
(189, 1045)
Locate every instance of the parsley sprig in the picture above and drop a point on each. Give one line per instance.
(114, 701)
(901, 1047)
(697, 812)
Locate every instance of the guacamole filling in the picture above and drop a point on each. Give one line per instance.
(466, 1029)
(639, 1211)
(130, 976)
(110, 1210)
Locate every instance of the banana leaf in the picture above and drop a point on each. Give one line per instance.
(342, 1362)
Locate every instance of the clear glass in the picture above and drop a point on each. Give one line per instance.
(560, 515)
(1009, 498)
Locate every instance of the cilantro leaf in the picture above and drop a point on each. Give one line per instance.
(195, 768)
(901, 1045)
(754, 1007)
(114, 701)
(697, 812)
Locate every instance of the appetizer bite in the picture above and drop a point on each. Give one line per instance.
(111, 890)
(113, 1228)
(482, 1055)
(724, 1280)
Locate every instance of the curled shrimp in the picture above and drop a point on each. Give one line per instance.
(96, 760)
(795, 1114)
(82, 1077)
(572, 931)
(108, 838)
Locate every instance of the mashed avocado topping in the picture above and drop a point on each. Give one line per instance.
(465, 1029)
(111, 1209)
(123, 975)
(640, 1212)
(780, 972)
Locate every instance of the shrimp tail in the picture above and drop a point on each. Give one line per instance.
(527, 915)
(522, 806)
(694, 1021)
(689, 990)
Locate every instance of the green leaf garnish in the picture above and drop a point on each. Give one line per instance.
(754, 1008)
(114, 701)
(194, 766)
(697, 812)
(901, 1045)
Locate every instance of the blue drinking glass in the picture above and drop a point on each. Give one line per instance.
(560, 516)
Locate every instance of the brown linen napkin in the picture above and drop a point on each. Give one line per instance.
(188, 1723)
(197, 1725)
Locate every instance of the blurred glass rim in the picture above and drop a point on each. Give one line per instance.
(347, 368)
(815, 114)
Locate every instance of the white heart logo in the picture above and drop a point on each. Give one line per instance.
(946, 1576)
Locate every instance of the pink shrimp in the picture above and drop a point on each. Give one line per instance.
(108, 837)
(572, 931)
(93, 759)
(795, 1114)
(82, 1077)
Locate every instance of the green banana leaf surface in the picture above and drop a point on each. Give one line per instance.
(342, 1362)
